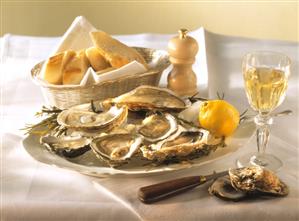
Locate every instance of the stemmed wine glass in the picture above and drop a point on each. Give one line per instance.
(265, 75)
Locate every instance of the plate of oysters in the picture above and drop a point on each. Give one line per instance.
(134, 130)
(144, 131)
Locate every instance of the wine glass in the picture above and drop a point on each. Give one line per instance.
(265, 76)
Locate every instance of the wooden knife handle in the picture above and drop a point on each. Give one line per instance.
(159, 191)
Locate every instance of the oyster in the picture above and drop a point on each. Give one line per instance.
(68, 146)
(116, 147)
(248, 182)
(257, 179)
(158, 126)
(180, 144)
(90, 122)
(149, 98)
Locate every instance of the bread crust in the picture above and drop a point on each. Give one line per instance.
(54, 66)
(96, 59)
(117, 53)
(75, 69)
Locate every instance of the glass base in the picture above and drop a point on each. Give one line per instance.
(267, 161)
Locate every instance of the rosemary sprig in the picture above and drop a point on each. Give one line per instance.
(47, 125)
(243, 115)
(185, 121)
(93, 108)
(220, 97)
(194, 98)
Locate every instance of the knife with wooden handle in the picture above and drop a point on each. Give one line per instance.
(159, 191)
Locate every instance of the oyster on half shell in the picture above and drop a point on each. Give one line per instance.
(157, 127)
(182, 143)
(116, 147)
(149, 98)
(68, 146)
(90, 122)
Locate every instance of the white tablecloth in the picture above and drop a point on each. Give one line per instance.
(34, 191)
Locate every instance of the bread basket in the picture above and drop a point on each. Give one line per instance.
(70, 95)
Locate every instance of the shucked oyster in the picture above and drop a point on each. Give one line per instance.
(88, 121)
(149, 98)
(182, 143)
(158, 126)
(116, 147)
(69, 146)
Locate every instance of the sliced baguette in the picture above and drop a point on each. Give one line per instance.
(117, 53)
(96, 60)
(75, 69)
(52, 70)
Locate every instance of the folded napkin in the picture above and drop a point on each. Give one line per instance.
(92, 77)
(77, 36)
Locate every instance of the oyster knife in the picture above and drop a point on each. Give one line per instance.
(159, 191)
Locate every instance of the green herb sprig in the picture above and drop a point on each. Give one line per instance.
(47, 125)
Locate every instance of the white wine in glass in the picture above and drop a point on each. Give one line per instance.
(266, 78)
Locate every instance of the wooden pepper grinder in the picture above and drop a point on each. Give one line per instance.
(182, 50)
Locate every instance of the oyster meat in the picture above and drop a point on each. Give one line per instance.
(149, 98)
(88, 121)
(182, 143)
(257, 179)
(158, 126)
(116, 147)
(68, 146)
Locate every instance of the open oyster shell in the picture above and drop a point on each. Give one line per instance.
(149, 98)
(257, 179)
(116, 147)
(69, 146)
(182, 143)
(157, 127)
(90, 122)
(223, 189)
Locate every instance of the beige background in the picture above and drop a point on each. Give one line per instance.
(51, 18)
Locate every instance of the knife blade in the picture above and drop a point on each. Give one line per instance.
(159, 191)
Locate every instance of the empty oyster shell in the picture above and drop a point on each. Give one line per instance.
(257, 179)
(149, 98)
(157, 127)
(69, 146)
(223, 189)
(116, 147)
(88, 121)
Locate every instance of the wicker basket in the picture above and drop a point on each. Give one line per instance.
(67, 96)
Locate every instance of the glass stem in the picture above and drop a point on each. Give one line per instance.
(263, 132)
(263, 136)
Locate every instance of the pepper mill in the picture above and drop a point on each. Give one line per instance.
(182, 50)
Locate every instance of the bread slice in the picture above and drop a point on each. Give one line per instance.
(75, 69)
(52, 69)
(96, 60)
(117, 53)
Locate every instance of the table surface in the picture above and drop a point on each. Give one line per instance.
(35, 191)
